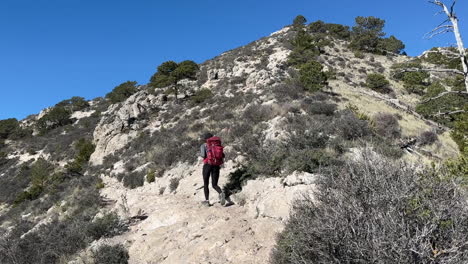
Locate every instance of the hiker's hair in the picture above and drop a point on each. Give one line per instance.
(207, 135)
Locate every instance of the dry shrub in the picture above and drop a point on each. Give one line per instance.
(377, 211)
(349, 127)
(386, 125)
(427, 138)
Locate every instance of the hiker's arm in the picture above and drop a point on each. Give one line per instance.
(202, 151)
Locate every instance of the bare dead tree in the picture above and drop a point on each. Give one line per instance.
(451, 25)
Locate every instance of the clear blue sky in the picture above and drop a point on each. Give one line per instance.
(51, 50)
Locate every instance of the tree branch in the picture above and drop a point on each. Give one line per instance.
(443, 94)
(449, 113)
(451, 8)
(431, 70)
(448, 53)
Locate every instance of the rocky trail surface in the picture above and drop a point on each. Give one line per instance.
(179, 229)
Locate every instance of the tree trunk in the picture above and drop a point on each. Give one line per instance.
(461, 49)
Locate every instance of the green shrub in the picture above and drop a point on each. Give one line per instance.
(378, 83)
(399, 69)
(150, 176)
(435, 56)
(444, 104)
(7, 126)
(201, 96)
(75, 103)
(391, 44)
(377, 211)
(58, 116)
(304, 49)
(311, 76)
(358, 54)
(134, 180)
(108, 225)
(84, 148)
(41, 178)
(414, 82)
(299, 21)
(460, 132)
(107, 254)
(122, 92)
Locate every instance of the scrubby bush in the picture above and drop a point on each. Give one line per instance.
(460, 131)
(173, 184)
(414, 82)
(319, 108)
(305, 49)
(58, 116)
(450, 102)
(122, 92)
(108, 254)
(7, 126)
(311, 76)
(84, 148)
(377, 211)
(134, 180)
(439, 56)
(378, 83)
(427, 138)
(349, 127)
(386, 125)
(108, 225)
(201, 95)
(150, 176)
(367, 35)
(75, 103)
(390, 44)
(299, 21)
(256, 113)
(41, 178)
(61, 238)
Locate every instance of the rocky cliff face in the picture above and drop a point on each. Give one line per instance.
(253, 103)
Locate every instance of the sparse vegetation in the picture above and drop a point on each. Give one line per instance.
(56, 117)
(367, 36)
(108, 254)
(122, 92)
(427, 138)
(174, 183)
(311, 76)
(386, 125)
(201, 96)
(377, 210)
(378, 83)
(73, 104)
(108, 225)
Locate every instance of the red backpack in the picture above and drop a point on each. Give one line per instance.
(214, 151)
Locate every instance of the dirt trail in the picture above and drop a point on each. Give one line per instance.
(179, 229)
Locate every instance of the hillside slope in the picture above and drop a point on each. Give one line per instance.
(278, 137)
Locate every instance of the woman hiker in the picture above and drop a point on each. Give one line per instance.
(212, 153)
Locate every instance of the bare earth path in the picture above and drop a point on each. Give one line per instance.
(179, 229)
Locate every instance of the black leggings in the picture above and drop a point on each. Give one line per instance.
(214, 171)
